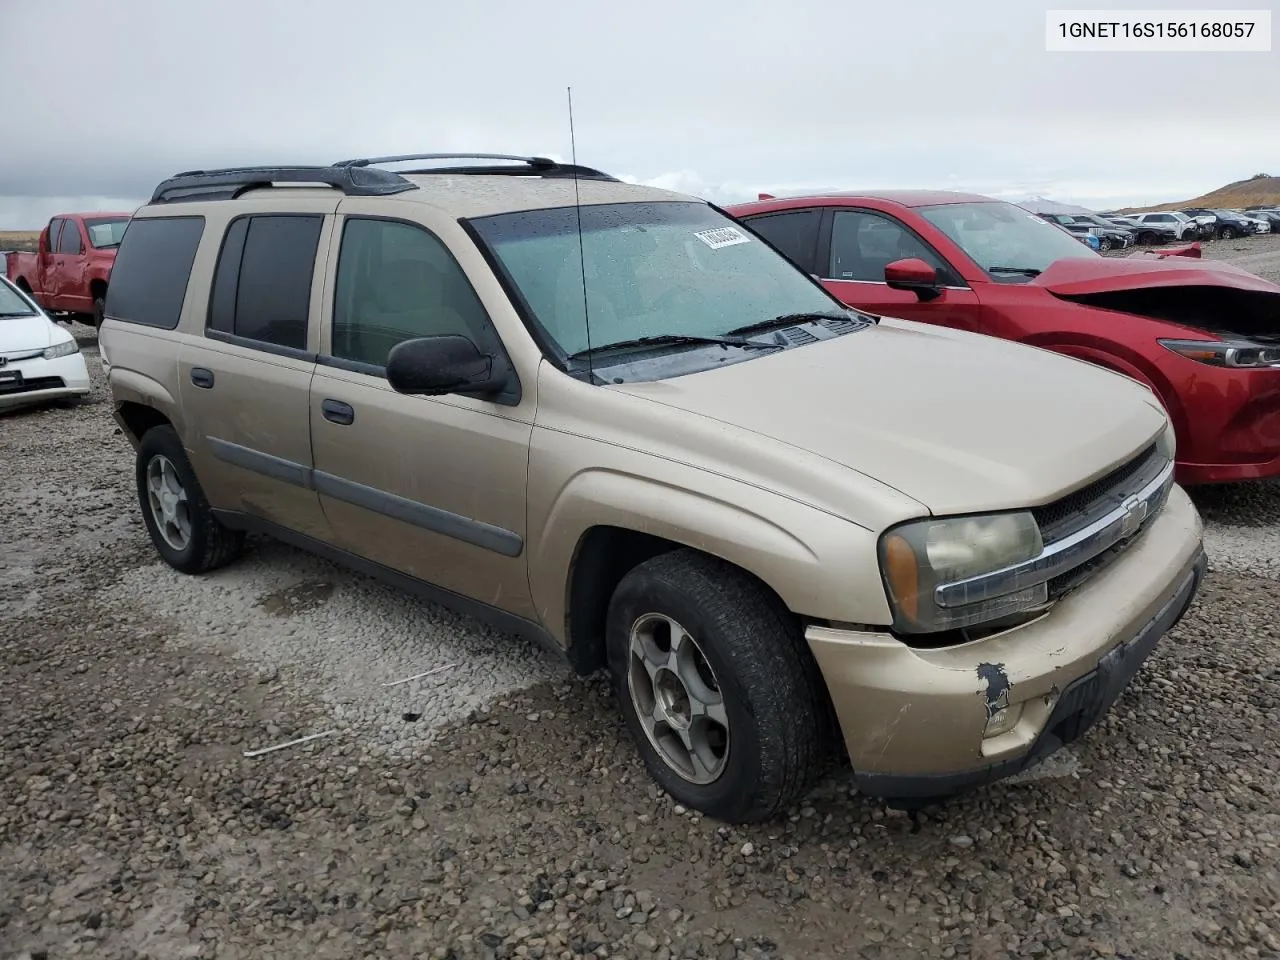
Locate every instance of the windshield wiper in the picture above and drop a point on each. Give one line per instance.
(786, 320)
(5, 315)
(1024, 271)
(672, 339)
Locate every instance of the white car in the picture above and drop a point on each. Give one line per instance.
(1183, 226)
(39, 360)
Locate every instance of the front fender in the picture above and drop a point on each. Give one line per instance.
(821, 566)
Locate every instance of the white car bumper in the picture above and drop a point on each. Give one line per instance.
(35, 379)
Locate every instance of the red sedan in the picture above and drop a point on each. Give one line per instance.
(1203, 335)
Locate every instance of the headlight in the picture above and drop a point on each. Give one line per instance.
(1237, 354)
(63, 349)
(917, 557)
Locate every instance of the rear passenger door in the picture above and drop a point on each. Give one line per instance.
(433, 487)
(245, 382)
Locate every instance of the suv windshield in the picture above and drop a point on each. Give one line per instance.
(105, 233)
(12, 304)
(1009, 243)
(663, 271)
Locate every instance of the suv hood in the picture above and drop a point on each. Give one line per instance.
(1076, 276)
(956, 421)
(25, 333)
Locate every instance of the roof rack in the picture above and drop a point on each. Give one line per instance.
(356, 178)
(230, 182)
(530, 166)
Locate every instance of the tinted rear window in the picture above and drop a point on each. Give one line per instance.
(149, 277)
(262, 285)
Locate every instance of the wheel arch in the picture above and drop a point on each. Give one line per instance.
(605, 523)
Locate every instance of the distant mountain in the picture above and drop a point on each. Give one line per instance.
(1258, 189)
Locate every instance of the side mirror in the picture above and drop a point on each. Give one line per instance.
(913, 274)
(434, 366)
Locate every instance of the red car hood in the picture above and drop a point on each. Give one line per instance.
(1081, 276)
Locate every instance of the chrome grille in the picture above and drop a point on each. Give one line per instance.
(1078, 509)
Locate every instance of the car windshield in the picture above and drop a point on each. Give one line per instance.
(1006, 241)
(664, 270)
(12, 304)
(104, 232)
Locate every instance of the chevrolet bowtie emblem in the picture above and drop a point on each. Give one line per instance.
(1135, 512)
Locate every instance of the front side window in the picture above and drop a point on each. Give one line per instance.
(69, 242)
(863, 244)
(397, 282)
(105, 233)
(262, 284)
(653, 269)
(1007, 242)
(150, 273)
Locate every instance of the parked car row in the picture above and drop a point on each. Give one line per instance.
(884, 479)
(1197, 223)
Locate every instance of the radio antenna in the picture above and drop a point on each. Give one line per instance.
(582, 259)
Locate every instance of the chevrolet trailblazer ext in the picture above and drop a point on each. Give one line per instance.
(792, 532)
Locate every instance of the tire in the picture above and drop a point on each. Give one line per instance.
(1104, 244)
(771, 692)
(1228, 233)
(99, 306)
(1147, 239)
(207, 544)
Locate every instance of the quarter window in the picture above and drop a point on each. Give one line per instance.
(794, 233)
(150, 273)
(397, 282)
(863, 244)
(262, 284)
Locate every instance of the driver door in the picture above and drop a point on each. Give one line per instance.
(861, 243)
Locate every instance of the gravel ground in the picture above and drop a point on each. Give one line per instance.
(496, 809)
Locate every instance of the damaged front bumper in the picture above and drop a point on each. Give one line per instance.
(921, 724)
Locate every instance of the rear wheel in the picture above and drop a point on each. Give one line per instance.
(1228, 233)
(718, 690)
(182, 526)
(1104, 244)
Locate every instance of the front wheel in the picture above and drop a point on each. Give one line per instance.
(1104, 244)
(719, 692)
(1228, 233)
(182, 526)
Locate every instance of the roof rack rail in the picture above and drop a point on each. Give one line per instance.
(532, 166)
(230, 182)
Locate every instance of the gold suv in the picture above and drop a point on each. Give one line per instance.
(610, 418)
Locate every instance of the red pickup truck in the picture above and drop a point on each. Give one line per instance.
(68, 272)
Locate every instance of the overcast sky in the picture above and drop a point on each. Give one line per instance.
(722, 99)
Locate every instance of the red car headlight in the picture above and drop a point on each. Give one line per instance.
(1236, 354)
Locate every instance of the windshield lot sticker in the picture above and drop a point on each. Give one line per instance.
(722, 237)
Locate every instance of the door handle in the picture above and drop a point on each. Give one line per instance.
(202, 377)
(336, 411)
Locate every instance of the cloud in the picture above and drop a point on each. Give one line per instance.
(720, 99)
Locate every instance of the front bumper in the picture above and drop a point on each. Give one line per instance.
(914, 721)
(35, 379)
